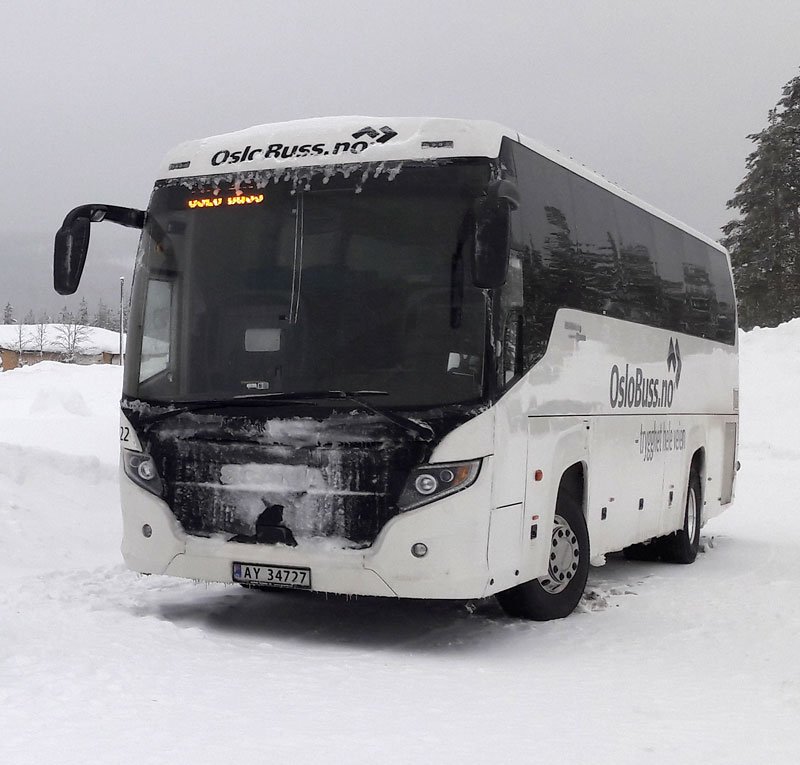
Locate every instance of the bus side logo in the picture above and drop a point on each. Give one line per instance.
(630, 388)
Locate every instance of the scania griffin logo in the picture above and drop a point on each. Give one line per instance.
(674, 363)
(629, 387)
(386, 133)
(251, 153)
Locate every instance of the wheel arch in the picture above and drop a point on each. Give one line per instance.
(698, 462)
(573, 480)
(698, 465)
(697, 438)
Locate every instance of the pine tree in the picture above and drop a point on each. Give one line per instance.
(83, 313)
(765, 241)
(102, 317)
(8, 314)
(30, 318)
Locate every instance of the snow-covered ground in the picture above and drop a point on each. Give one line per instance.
(661, 664)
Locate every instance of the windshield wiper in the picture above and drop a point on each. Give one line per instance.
(415, 427)
(311, 394)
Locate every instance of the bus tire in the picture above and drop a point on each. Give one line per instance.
(682, 545)
(556, 594)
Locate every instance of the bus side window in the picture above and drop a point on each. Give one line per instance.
(544, 238)
(669, 259)
(157, 329)
(726, 302)
(513, 358)
(597, 272)
(701, 299)
(640, 286)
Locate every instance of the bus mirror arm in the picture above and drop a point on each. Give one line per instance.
(72, 240)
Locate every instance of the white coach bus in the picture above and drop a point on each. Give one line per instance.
(418, 358)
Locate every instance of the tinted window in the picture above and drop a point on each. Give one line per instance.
(156, 333)
(701, 300)
(583, 247)
(669, 259)
(597, 254)
(543, 244)
(640, 295)
(720, 274)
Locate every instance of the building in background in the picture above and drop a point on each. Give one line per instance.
(25, 344)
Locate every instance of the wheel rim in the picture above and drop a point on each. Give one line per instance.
(564, 557)
(691, 514)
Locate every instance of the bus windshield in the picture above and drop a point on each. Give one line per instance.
(353, 278)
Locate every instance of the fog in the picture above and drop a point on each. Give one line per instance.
(657, 98)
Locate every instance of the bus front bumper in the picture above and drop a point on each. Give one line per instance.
(455, 531)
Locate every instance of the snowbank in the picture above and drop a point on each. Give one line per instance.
(770, 396)
(62, 408)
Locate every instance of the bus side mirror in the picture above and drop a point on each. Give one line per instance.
(69, 257)
(493, 234)
(72, 241)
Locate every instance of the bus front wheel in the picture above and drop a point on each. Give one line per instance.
(555, 595)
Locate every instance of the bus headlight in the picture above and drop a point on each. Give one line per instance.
(431, 482)
(141, 469)
(426, 484)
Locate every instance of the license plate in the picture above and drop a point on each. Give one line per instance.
(272, 576)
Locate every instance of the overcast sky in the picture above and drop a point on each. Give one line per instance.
(657, 96)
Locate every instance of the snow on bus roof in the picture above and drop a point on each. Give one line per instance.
(358, 138)
(334, 140)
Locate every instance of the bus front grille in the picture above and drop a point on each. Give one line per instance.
(344, 487)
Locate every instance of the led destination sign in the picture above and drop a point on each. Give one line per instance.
(231, 201)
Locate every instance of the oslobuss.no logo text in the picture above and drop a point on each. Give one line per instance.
(363, 139)
(630, 387)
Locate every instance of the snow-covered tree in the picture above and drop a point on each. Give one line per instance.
(114, 317)
(30, 318)
(20, 343)
(71, 337)
(40, 333)
(765, 240)
(102, 317)
(8, 314)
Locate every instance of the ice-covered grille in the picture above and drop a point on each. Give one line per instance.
(336, 478)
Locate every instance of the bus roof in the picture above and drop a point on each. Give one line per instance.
(341, 140)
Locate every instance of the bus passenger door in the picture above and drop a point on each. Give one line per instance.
(505, 546)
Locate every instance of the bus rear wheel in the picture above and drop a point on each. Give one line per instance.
(683, 545)
(555, 595)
